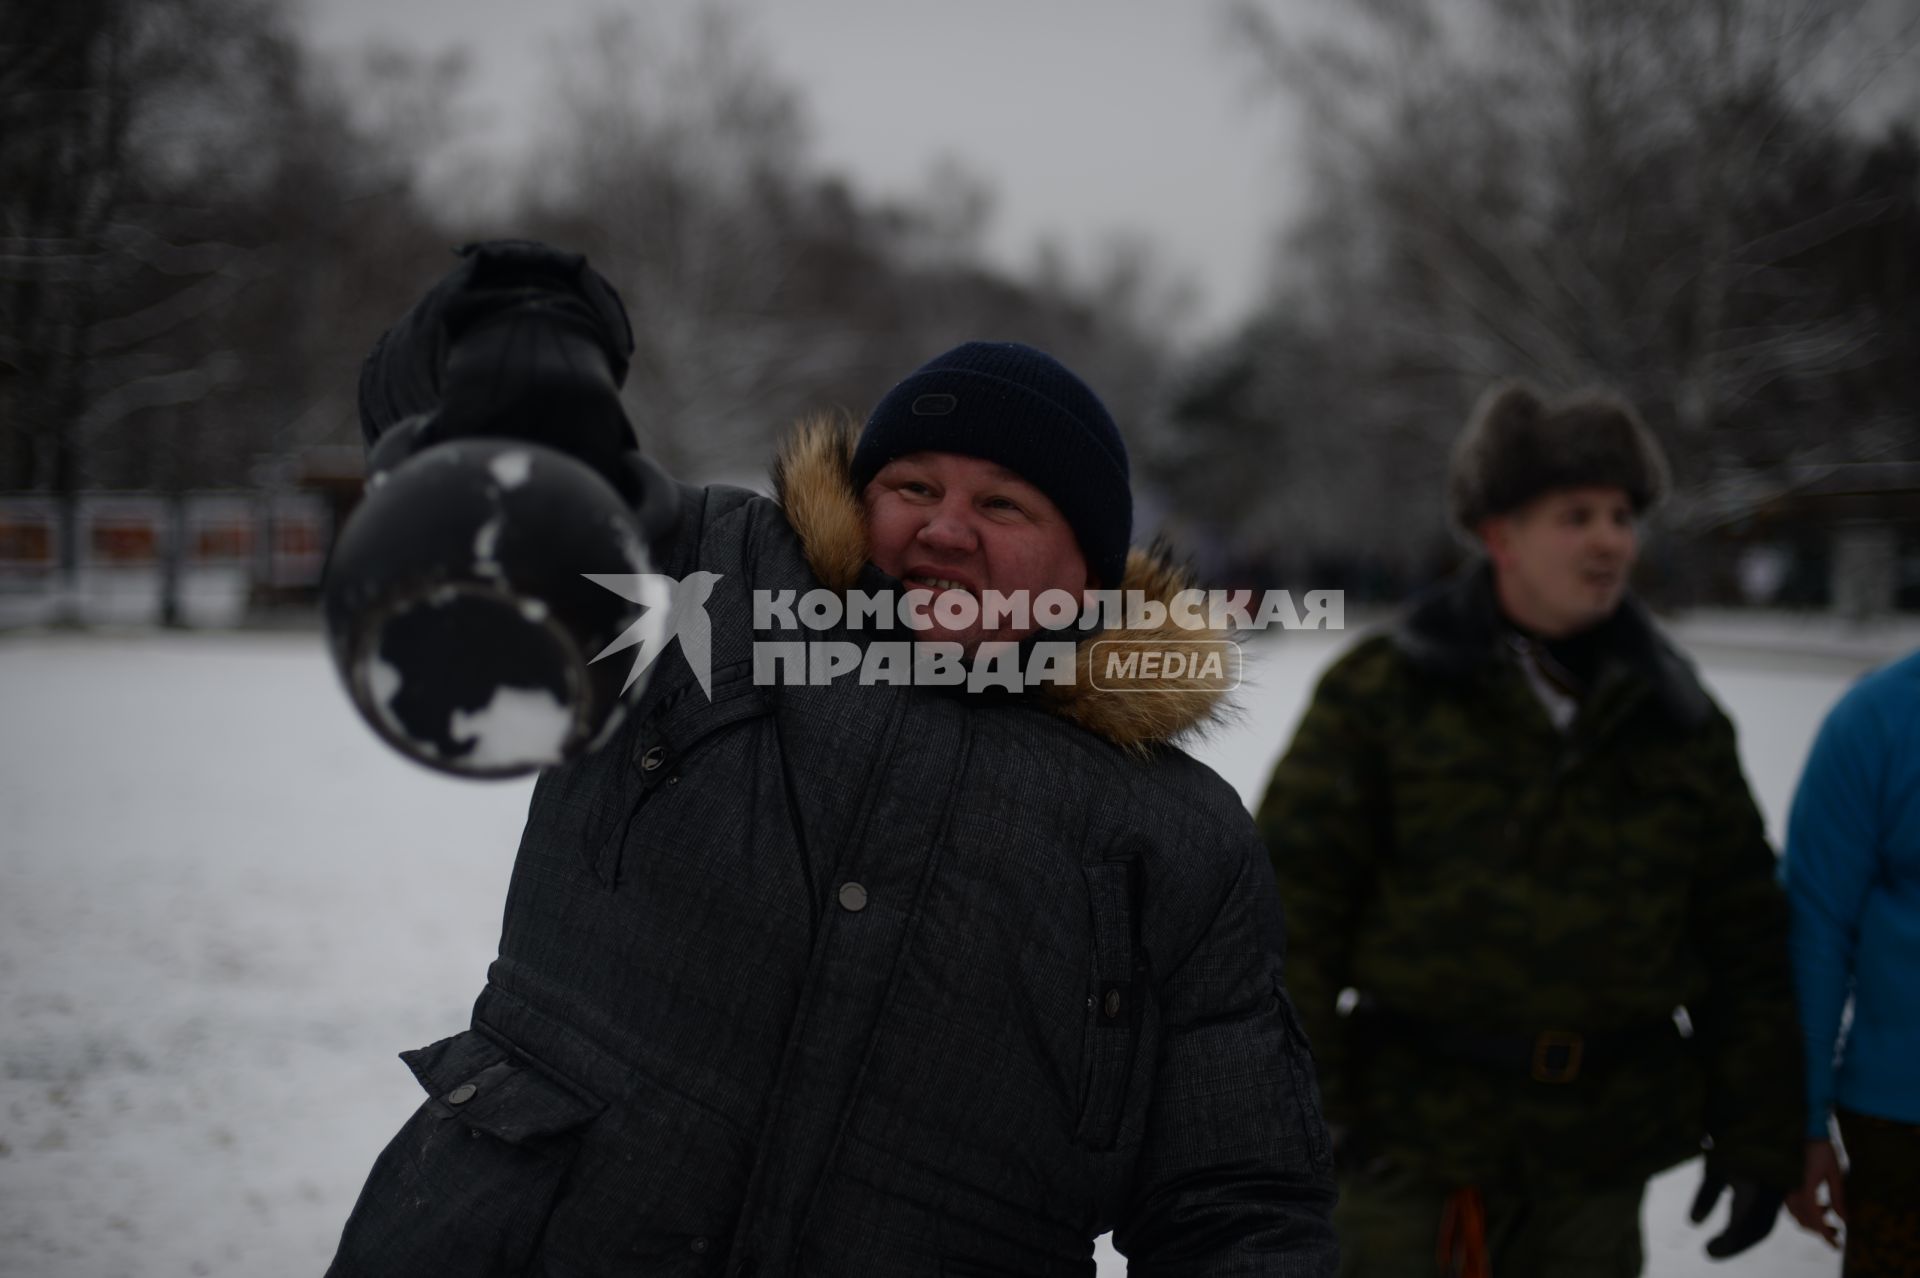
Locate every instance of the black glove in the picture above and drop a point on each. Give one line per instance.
(532, 371)
(519, 341)
(1749, 1219)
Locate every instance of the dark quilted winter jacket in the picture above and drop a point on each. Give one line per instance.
(1444, 850)
(843, 980)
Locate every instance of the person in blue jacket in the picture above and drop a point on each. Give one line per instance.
(1852, 876)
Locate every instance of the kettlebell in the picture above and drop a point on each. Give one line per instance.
(459, 608)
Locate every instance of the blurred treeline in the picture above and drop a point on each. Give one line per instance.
(203, 228)
(1712, 205)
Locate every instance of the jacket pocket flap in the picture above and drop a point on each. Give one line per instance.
(675, 729)
(480, 1082)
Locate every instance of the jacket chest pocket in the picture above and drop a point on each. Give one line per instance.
(1117, 994)
(678, 756)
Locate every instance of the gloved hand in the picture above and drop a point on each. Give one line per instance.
(521, 341)
(1748, 1220)
(533, 371)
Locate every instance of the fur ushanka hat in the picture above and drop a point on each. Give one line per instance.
(1517, 446)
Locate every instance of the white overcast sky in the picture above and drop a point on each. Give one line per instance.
(1089, 117)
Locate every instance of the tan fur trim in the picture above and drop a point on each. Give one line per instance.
(811, 482)
(1139, 713)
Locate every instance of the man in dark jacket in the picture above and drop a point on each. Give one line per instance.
(1513, 839)
(844, 978)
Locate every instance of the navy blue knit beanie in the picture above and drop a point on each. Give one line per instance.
(1022, 408)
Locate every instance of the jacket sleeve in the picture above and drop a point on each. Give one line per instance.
(1745, 1023)
(1832, 849)
(1235, 1175)
(1321, 820)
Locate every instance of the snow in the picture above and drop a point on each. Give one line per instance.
(485, 542)
(517, 728)
(510, 470)
(225, 906)
(130, 596)
(384, 682)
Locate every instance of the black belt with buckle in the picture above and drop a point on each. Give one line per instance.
(1549, 1056)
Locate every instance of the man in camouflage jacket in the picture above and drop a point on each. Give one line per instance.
(1516, 827)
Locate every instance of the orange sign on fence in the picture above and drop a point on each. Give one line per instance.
(220, 529)
(280, 540)
(28, 542)
(301, 526)
(122, 530)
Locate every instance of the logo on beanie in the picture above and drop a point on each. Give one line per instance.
(936, 405)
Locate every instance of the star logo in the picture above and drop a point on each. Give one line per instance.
(674, 608)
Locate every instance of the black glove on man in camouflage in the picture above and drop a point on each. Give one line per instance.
(1748, 1220)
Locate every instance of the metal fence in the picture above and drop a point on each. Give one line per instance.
(198, 558)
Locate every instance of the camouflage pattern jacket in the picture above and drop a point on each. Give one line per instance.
(1445, 851)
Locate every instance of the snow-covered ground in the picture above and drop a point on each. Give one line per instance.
(224, 906)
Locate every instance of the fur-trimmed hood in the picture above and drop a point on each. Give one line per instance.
(813, 483)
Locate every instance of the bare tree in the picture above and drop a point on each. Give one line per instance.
(761, 286)
(670, 160)
(1630, 194)
(83, 284)
(185, 208)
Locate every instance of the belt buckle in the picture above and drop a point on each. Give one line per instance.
(1568, 1046)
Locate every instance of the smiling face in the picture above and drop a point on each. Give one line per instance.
(1560, 562)
(941, 522)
